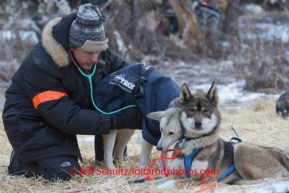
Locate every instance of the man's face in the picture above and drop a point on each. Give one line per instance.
(85, 59)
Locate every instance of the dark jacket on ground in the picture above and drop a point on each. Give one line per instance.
(48, 101)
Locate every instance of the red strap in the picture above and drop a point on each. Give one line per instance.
(208, 185)
(47, 96)
(161, 159)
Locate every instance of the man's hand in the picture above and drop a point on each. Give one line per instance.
(130, 118)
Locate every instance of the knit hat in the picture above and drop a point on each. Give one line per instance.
(86, 31)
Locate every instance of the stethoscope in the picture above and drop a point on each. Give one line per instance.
(89, 77)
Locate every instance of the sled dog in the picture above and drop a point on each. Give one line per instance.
(282, 105)
(166, 140)
(140, 85)
(199, 121)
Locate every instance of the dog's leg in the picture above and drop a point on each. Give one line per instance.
(122, 139)
(256, 162)
(146, 149)
(108, 144)
(159, 181)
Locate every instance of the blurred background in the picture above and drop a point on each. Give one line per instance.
(209, 40)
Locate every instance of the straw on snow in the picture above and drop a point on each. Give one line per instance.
(257, 125)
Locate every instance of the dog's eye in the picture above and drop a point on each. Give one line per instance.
(171, 133)
(192, 110)
(206, 110)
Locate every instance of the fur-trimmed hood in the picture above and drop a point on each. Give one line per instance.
(55, 38)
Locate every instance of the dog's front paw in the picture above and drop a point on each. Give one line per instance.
(187, 150)
(167, 185)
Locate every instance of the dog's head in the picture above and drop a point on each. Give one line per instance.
(192, 115)
(170, 127)
(200, 115)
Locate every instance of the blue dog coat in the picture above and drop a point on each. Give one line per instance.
(158, 90)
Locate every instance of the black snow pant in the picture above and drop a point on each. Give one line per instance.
(53, 169)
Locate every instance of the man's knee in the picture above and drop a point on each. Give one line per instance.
(53, 169)
(60, 168)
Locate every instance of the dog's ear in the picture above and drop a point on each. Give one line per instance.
(156, 115)
(213, 94)
(185, 94)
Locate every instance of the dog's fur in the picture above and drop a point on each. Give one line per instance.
(199, 122)
(282, 105)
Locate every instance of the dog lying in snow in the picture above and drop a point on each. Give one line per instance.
(197, 120)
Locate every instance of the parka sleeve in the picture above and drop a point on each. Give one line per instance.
(58, 109)
(69, 118)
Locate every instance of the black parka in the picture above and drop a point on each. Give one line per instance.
(41, 127)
